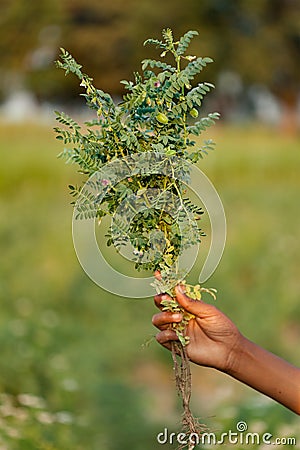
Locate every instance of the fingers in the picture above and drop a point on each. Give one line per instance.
(157, 275)
(166, 337)
(164, 319)
(196, 307)
(159, 297)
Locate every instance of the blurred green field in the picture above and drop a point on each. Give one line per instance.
(78, 350)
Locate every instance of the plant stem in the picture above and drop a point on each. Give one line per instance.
(183, 379)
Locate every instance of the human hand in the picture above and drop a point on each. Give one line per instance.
(213, 337)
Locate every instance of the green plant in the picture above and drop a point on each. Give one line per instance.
(155, 120)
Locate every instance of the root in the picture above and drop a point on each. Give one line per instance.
(183, 378)
(191, 426)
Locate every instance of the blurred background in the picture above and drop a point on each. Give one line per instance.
(75, 372)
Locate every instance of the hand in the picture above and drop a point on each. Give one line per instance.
(213, 337)
(216, 342)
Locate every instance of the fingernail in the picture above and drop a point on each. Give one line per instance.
(181, 289)
(176, 316)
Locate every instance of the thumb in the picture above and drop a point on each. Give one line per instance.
(196, 307)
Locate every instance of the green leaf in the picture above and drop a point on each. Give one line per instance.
(155, 42)
(184, 41)
(153, 116)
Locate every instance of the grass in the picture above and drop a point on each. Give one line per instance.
(79, 348)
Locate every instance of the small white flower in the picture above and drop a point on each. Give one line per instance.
(70, 384)
(45, 417)
(31, 401)
(64, 417)
(13, 433)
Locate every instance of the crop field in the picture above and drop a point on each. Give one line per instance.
(75, 373)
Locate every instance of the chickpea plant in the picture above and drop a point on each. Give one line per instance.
(158, 115)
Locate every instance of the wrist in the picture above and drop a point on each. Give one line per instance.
(235, 355)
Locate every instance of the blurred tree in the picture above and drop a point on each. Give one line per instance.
(97, 34)
(259, 40)
(29, 32)
(23, 27)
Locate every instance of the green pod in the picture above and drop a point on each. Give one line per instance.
(194, 112)
(162, 118)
